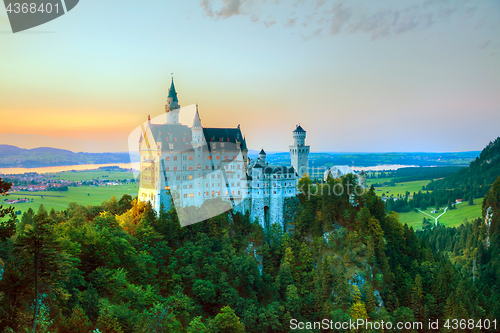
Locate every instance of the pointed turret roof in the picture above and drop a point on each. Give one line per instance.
(197, 120)
(299, 129)
(172, 93)
(262, 152)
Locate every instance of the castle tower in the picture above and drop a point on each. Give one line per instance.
(262, 156)
(172, 107)
(197, 130)
(299, 152)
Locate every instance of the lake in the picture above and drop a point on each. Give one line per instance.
(79, 167)
(135, 165)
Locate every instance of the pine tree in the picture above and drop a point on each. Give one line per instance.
(42, 259)
(471, 200)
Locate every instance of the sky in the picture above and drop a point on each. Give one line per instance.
(359, 76)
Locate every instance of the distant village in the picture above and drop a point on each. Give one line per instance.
(35, 182)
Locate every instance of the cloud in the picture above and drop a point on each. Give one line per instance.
(290, 22)
(229, 8)
(340, 16)
(484, 45)
(269, 24)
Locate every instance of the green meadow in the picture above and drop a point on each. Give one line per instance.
(452, 217)
(83, 195)
(401, 188)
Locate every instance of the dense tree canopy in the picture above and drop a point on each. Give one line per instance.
(121, 267)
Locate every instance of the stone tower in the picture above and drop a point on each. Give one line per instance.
(262, 156)
(299, 152)
(172, 107)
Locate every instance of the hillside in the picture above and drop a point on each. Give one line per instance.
(124, 268)
(478, 177)
(12, 156)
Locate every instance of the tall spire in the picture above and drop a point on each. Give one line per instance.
(172, 93)
(197, 120)
(172, 101)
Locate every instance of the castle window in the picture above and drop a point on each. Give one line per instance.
(238, 166)
(190, 177)
(178, 177)
(166, 139)
(222, 144)
(175, 168)
(185, 195)
(239, 193)
(217, 157)
(184, 158)
(218, 192)
(190, 186)
(226, 157)
(175, 139)
(167, 168)
(209, 157)
(207, 192)
(184, 167)
(274, 192)
(184, 177)
(199, 166)
(167, 158)
(206, 185)
(213, 193)
(191, 158)
(190, 168)
(191, 195)
(175, 158)
(234, 157)
(207, 167)
(198, 184)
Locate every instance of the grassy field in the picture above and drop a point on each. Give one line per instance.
(83, 195)
(93, 174)
(371, 181)
(452, 218)
(401, 188)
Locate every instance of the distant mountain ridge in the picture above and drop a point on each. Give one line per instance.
(12, 156)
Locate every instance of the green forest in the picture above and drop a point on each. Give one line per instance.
(466, 184)
(121, 267)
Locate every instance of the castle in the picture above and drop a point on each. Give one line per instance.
(196, 166)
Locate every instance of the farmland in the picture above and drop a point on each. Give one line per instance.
(83, 195)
